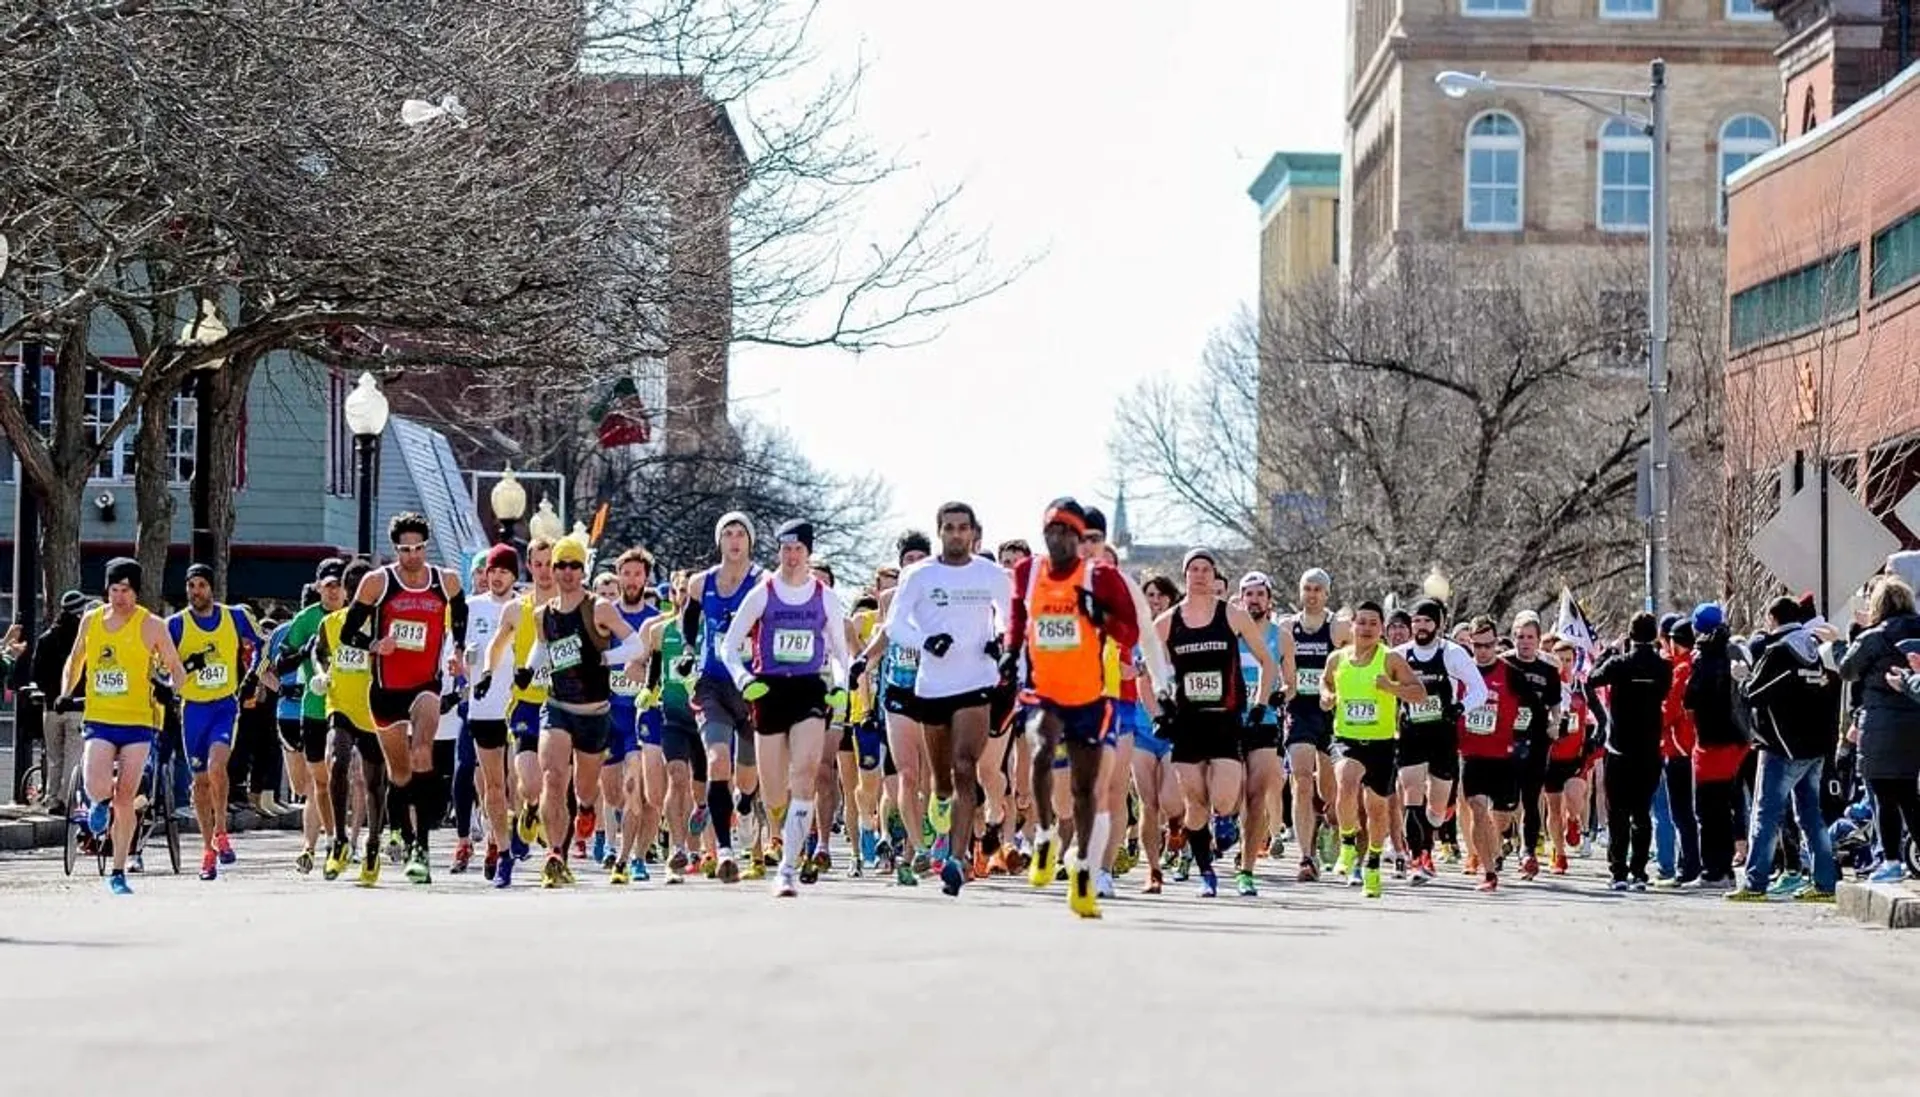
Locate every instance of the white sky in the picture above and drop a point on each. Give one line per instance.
(1119, 139)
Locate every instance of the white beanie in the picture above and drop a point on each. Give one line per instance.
(733, 517)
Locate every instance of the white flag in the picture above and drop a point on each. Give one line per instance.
(1573, 628)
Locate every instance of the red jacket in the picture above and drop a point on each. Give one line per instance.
(1678, 739)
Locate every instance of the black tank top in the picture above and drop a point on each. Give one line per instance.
(1439, 709)
(1310, 652)
(1206, 662)
(574, 649)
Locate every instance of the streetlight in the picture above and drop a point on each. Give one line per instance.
(1457, 85)
(204, 330)
(366, 409)
(1437, 586)
(509, 502)
(545, 524)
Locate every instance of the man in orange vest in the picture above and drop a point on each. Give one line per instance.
(1064, 609)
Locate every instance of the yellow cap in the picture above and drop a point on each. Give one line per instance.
(570, 550)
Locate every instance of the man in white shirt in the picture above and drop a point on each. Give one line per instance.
(952, 609)
(1429, 731)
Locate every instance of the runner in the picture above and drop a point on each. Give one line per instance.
(1309, 730)
(1260, 741)
(726, 727)
(1534, 727)
(1577, 728)
(634, 783)
(1489, 742)
(906, 737)
(952, 608)
(1363, 686)
(680, 745)
(1203, 634)
(296, 668)
(515, 638)
(1162, 804)
(487, 709)
(110, 672)
(1429, 730)
(797, 629)
(1064, 609)
(414, 607)
(210, 636)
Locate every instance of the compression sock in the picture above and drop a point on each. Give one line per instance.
(1201, 843)
(720, 813)
(1373, 855)
(1417, 837)
(1097, 840)
(400, 810)
(797, 815)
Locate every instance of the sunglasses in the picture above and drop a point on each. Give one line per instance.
(1478, 646)
(569, 565)
(421, 547)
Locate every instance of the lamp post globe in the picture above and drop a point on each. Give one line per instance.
(366, 411)
(509, 502)
(545, 524)
(204, 330)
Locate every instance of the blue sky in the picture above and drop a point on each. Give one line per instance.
(1118, 140)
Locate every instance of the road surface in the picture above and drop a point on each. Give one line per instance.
(264, 978)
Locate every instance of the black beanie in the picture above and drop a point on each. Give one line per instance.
(200, 571)
(120, 569)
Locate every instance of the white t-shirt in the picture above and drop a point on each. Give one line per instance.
(483, 621)
(970, 602)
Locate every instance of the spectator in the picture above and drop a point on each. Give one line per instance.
(1637, 684)
(1673, 808)
(1796, 719)
(1719, 745)
(1888, 723)
(60, 730)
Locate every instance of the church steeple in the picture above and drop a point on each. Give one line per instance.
(1122, 537)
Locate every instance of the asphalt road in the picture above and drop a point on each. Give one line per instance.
(267, 979)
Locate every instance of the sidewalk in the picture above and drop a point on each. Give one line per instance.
(1895, 906)
(24, 828)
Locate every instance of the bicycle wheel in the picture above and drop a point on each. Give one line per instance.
(163, 802)
(33, 783)
(1913, 855)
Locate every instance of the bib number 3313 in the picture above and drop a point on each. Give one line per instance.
(409, 635)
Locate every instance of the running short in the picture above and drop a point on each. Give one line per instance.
(623, 738)
(205, 724)
(1497, 779)
(313, 738)
(1380, 772)
(790, 700)
(1088, 725)
(1000, 711)
(940, 711)
(1200, 737)
(1435, 745)
(488, 734)
(1146, 740)
(653, 725)
(1130, 718)
(289, 729)
(680, 742)
(1559, 772)
(1258, 737)
(870, 747)
(901, 702)
(524, 724)
(1310, 724)
(120, 735)
(395, 706)
(589, 731)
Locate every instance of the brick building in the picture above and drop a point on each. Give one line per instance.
(1506, 171)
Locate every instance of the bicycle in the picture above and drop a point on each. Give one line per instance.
(153, 805)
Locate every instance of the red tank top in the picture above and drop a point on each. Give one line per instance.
(1571, 747)
(416, 621)
(1487, 732)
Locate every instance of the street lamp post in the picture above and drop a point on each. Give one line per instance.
(366, 410)
(26, 574)
(545, 524)
(1654, 124)
(203, 330)
(509, 502)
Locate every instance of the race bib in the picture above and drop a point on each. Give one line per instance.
(1307, 681)
(564, 653)
(111, 682)
(1060, 632)
(1425, 712)
(542, 677)
(1203, 685)
(909, 659)
(1484, 720)
(1523, 720)
(211, 676)
(409, 635)
(622, 685)
(351, 660)
(793, 645)
(1361, 712)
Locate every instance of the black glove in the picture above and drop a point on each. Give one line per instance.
(683, 667)
(484, 686)
(855, 672)
(194, 662)
(994, 649)
(1163, 723)
(1091, 608)
(1256, 716)
(1277, 698)
(937, 645)
(522, 677)
(1009, 662)
(72, 702)
(1521, 749)
(163, 694)
(449, 702)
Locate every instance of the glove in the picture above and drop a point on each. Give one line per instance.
(837, 696)
(449, 702)
(1521, 750)
(753, 690)
(1163, 723)
(484, 686)
(72, 702)
(1091, 608)
(937, 645)
(1257, 715)
(1009, 662)
(163, 694)
(319, 683)
(1277, 698)
(856, 672)
(683, 667)
(522, 677)
(994, 648)
(195, 662)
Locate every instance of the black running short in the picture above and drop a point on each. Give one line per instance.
(901, 702)
(939, 711)
(1308, 723)
(1382, 769)
(1497, 779)
(395, 706)
(788, 701)
(1434, 744)
(1206, 737)
(1560, 772)
(488, 734)
(313, 739)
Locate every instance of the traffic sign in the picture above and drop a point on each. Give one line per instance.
(1857, 543)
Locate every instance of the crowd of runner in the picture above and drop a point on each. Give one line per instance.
(968, 715)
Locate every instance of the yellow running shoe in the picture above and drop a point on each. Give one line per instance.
(1370, 881)
(1046, 860)
(551, 874)
(1349, 854)
(566, 874)
(336, 861)
(940, 814)
(620, 875)
(370, 870)
(528, 824)
(1124, 860)
(1080, 898)
(756, 869)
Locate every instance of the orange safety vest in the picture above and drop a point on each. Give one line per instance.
(1063, 647)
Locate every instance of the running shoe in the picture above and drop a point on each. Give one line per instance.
(1155, 881)
(1183, 865)
(1420, 874)
(1354, 878)
(224, 847)
(1243, 883)
(756, 869)
(869, 846)
(610, 860)
(772, 857)
(396, 853)
(303, 863)
(336, 861)
(677, 864)
(1787, 885)
(1585, 849)
(418, 871)
(1618, 885)
(1471, 865)
(1399, 866)
(1309, 872)
(709, 865)
(1450, 853)
(1574, 837)
(99, 817)
(904, 876)
(1277, 847)
(462, 856)
(883, 859)
(809, 871)
(492, 859)
(580, 849)
(1103, 884)
(1488, 883)
(1889, 872)
(503, 873)
(1124, 859)
(1664, 882)
(1812, 894)
(619, 877)
(600, 846)
(586, 822)
(369, 869)
(1639, 884)
(784, 886)
(1560, 863)
(1745, 894)
(997, 865)
(1046, 859)
(942, 847)
(209, 865)
(1349, 857)
(726, 870)
(1060, 874)
(922, 864)
(566, 873)
(982, 866)
(638, 866)
(136, 862)
(117, 883)
(527, 829)
(1209, 884)
(952, 876)
(1080, 897)
(1529, 867)
(940, 814)
(550, 873)
(1370, 883)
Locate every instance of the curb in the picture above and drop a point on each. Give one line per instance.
(49, 831)
(1893, 906)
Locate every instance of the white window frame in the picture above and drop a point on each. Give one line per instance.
(1620, 144)
(14, 377)
(1468, 9)
(1516, 143)
(1749, 14)
(1747, 148)
(1609, 11)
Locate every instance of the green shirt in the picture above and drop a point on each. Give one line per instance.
(674, 699)
(300, 633)
(1364, 711)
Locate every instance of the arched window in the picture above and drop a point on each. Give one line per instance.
(1626, 177)
(1744, 137)
(1495, 172)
